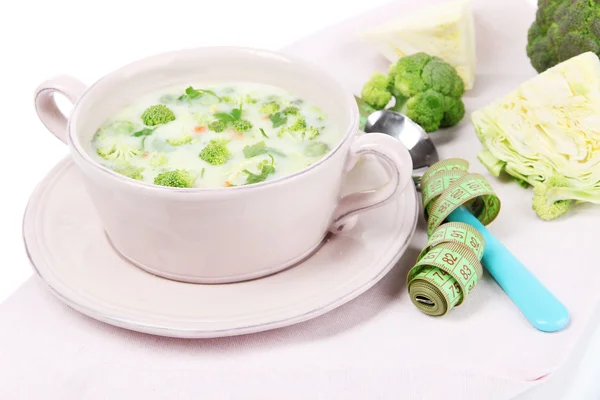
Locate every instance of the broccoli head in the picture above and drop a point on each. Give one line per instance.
(217, 126)
(215, 152)
(177, 178)
(375, 92)
(130, 171)
(563, 29)
(157, 114)
(544, 203)
(426, 89)
(269, 107)
(242, 125)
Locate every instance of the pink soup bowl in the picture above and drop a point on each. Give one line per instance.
(219, 235)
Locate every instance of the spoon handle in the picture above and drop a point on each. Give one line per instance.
(536, 302)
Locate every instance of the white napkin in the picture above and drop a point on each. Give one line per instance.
(48, 351)
(377, 346)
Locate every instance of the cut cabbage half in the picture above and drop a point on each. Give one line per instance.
(548, 130)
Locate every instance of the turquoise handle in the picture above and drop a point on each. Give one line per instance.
(535, 301)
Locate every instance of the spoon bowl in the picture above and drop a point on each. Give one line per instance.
(417, 141)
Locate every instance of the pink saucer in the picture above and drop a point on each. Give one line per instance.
(70, 252)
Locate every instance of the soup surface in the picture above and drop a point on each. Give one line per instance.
(214, 136)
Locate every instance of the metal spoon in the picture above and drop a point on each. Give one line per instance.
(536, 302)
(417, 141)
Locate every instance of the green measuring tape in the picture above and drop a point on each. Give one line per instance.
(449, 267)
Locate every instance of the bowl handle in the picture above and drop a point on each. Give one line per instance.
(46, 107)
(395, 156)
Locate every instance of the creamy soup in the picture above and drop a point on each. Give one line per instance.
(214, 136)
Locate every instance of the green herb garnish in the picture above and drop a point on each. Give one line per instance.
(144, 132)
(260, 148)
(234, 115)
(278, 119)
(266, 169)
(255, 149)
(191, 93)
(262, 132)
(202, 173)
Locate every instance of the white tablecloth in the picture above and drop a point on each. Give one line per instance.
(367, 348)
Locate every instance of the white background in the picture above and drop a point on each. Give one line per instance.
(88, 39)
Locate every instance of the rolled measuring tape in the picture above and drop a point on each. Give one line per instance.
(449, 267)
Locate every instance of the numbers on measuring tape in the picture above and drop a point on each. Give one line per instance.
(457, 234)
(465, 271)
(449, 267)
(473, 185)
(458, 193)
(449, 258)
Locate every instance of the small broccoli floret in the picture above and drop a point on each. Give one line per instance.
(291, 110)
(311, 132)
(298, 127)
(180, 140)
(242, 125)
(443, 78)
(454, 111)
(157, 114)
(426, 109)
(543, 204)
(269, 108)
(215, 152)
(217, 126)
(157, 159)
(177, 178)
(130, 171)
(375, 92)
(409, 79)
(117, 150)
